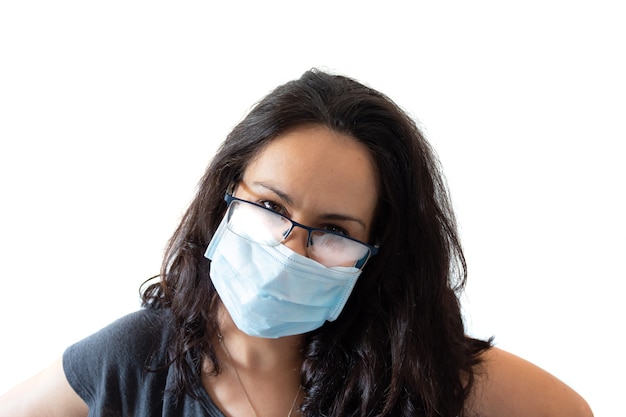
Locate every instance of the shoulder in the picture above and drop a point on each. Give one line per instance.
(132, 333)
(103, 371)
(127, 354)
(142, 322)
(508, 385)
(131, 337)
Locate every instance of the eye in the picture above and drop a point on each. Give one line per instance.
(335, 229)
(275, 207)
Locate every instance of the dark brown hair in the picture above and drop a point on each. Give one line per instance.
(399, 347)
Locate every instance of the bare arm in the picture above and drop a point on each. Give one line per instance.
(46, 394)
(507, 385)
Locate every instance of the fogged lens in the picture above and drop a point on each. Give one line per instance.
(334, 250)
(255, 223)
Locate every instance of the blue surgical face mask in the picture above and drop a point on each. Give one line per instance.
(273, 291)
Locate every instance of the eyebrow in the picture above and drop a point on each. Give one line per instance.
(328, 216)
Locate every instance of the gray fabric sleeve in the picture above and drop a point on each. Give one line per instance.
(109, 369)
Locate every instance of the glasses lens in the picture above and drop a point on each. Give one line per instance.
(266, 227)
(334, 250)
(257, 224)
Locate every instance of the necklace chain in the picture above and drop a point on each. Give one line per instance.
(243, 389)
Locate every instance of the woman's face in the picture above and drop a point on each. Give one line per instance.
(316, 177)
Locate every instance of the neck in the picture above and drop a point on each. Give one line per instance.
(259, 378)
(259, 355)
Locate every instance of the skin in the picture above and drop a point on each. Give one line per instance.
(329, 182)
(507, 385)
(47, 394)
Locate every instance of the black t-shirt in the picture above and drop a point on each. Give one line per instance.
(122, 371)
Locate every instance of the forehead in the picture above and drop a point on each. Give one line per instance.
(318, 167)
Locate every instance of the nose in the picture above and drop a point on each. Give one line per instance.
(296, 240)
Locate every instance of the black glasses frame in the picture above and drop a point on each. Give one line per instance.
(229, 198)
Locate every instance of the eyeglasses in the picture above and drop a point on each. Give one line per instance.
(267, 227)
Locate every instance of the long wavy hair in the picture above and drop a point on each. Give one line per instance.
(399, 347)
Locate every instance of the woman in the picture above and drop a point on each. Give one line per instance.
(316, 272)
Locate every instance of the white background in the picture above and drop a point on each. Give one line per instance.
(110, 111)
